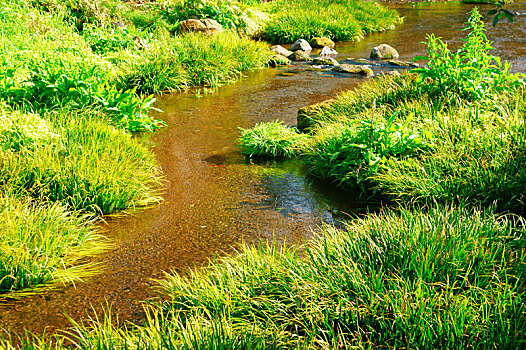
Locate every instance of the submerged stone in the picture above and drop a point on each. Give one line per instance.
(326, 61)
(353, 69)
(300, 56)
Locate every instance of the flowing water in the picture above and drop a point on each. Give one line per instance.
(213, 198)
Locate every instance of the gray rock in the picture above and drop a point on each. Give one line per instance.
(206, 26)
(280, 50)
(353, 69)
(326, 51)
(384, 52)
(301, 44)
(325, 61)
(299, 56)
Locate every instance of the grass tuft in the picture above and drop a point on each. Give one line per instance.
(272, 139)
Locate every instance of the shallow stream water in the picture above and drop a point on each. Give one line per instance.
(214, 199)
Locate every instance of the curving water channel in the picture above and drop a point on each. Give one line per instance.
(213, 198)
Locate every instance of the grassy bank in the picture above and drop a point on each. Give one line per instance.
(415, 279)
(340, 20)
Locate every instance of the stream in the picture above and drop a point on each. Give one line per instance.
(214, 198)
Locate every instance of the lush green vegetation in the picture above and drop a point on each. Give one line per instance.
(284, 21)
(416, 279)
(74, 82)
(339, 20)
(437, 133)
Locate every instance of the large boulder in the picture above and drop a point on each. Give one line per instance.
(300, 56)
(205, 26)
(318, 42)
(280, 50)
(353, 69)
(309, 115)
(301, 44)
(384, 52)
(325, 61)
(327, 51)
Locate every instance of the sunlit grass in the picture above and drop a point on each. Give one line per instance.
(340, 20)
(441, 277)
(40, 243)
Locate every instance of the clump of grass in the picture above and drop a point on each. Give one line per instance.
(190, 60)
(340, 20)
(89, 165)
(353, 151)
(219, 58)
(273, 139)
(39, 243)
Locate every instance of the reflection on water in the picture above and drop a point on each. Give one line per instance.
(214, 198)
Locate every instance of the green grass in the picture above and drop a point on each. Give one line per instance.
(412, 278)
(86, 164)
(40, 243)
(340, 20)
(271, 139)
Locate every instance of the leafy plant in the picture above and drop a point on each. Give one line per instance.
(106, 39)
(471, 72)
(351, 152)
